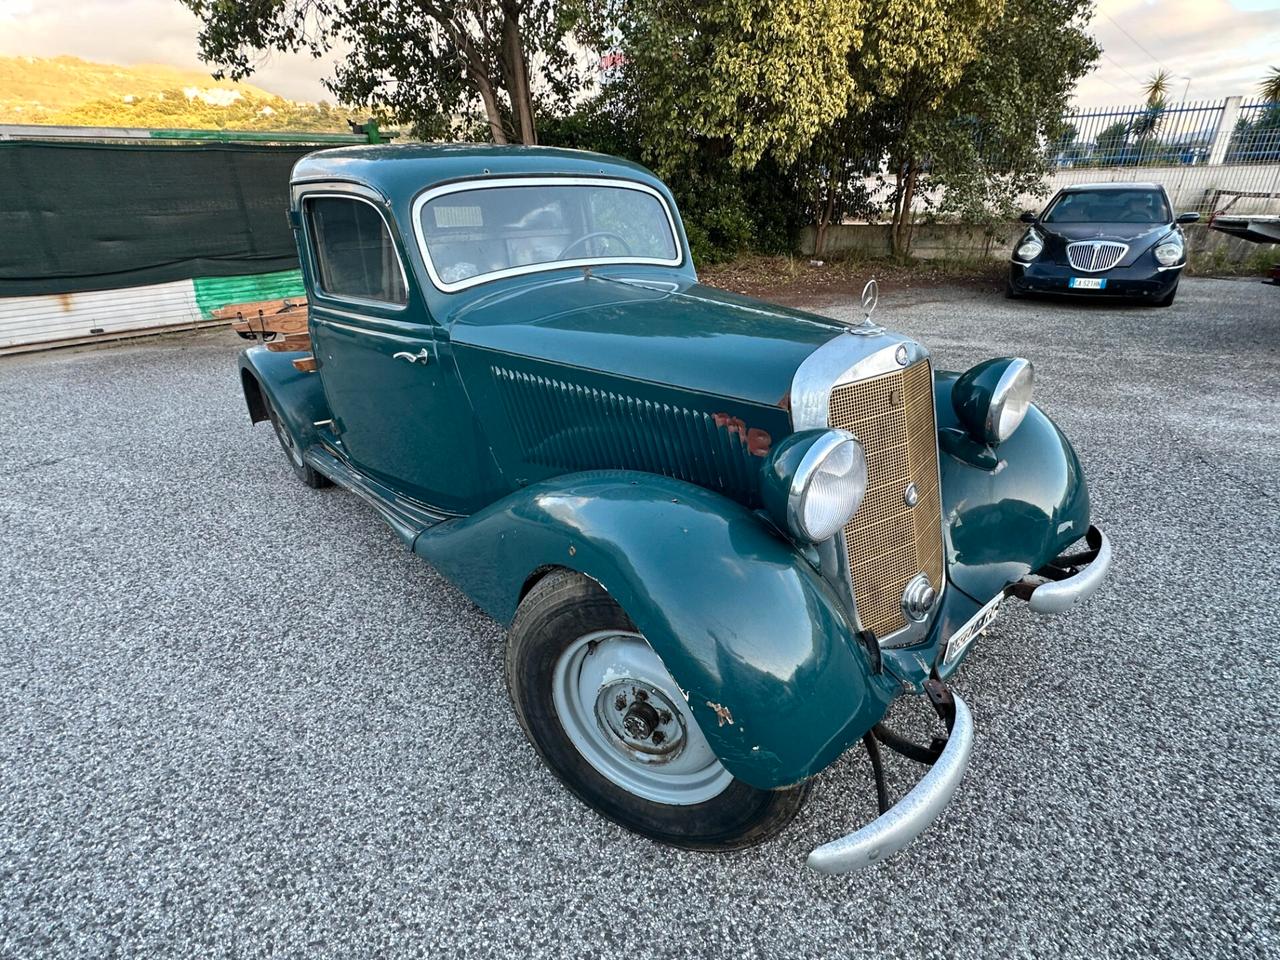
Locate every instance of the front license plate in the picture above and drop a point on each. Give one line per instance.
(970, 632)
(1088, 283)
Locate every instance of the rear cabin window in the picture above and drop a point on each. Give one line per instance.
(355, 257)
(474, 234)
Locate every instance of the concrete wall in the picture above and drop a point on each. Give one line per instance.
(1190, 187)
(950, 241)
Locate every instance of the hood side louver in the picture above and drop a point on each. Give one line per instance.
(572, 427)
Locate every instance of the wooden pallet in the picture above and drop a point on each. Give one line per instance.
(280, 324)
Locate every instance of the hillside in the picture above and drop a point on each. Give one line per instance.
(71, 91)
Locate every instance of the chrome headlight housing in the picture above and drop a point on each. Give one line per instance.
(1032, 246)
(1169, 250)
(992, 398)
(814, 481)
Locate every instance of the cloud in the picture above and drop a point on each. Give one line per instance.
(1224, 49)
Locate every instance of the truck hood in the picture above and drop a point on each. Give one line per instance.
(682, 334)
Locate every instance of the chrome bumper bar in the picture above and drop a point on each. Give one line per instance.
(1071, 579)
(908, 818)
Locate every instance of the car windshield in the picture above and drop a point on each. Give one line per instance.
(476, 233)
(1140, 205)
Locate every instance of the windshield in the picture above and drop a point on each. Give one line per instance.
(474, 233)
(1140, 205)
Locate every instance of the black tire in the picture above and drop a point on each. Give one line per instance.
(1167, 299)
(1010, 292)
(562, 607)
(304, 471)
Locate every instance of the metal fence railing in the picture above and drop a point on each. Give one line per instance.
(1203, 132)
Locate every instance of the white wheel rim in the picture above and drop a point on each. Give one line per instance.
(624, 713)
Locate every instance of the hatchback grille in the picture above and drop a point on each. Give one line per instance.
(1092, 256)
(887, 542)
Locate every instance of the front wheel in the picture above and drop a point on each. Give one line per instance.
(1167, 299)
(601, 709)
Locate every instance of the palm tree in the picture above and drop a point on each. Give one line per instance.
(1270, 86)
(1157, 87)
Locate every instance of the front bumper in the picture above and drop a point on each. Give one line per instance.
(1055, 588)
(1141, 281)
(907, 819)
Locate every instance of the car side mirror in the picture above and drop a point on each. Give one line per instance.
(1027, 217)
(1188, 217)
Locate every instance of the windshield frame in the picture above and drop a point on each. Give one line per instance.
(490, 183)
(1076, 191)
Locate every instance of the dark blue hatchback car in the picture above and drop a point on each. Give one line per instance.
(1103, 240)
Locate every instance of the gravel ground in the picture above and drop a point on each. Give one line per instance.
(239, 719)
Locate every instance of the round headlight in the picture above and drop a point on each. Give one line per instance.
(1029, 249)
(992, 398)
(814, 481)
(1169, 253)
(827, 486)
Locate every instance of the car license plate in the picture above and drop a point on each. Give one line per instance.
(970, 632)
(1088, 283)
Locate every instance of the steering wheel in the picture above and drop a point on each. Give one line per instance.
(592, 236)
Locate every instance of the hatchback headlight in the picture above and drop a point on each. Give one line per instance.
(1169, 252)
(1030, 247)
(992, 398)
(814, 481)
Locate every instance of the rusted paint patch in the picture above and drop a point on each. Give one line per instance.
(722, 713)
(758, 442)
(64, 301)
(785, 402)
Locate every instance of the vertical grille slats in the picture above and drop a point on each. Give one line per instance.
(887, 542)
(1093, 256)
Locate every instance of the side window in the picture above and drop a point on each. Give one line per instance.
(354, 254)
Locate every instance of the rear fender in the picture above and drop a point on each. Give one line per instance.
(750, 632)
(298, 397)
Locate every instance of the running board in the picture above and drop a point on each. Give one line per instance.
(407, 518)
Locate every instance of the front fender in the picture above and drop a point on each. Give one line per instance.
(1010, 509)
(298, 397)
(747, 628)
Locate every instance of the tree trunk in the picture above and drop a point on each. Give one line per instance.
(517, 73)
(902, 210)
(491, 111)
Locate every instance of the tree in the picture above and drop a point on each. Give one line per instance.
(422, 62)
(1270, 86)
(1110, 144)
(755, 76)
(1145, 127)
(1157, 87)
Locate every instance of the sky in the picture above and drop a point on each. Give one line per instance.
(1224, 46)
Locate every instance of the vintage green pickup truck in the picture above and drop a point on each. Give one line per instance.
(725, 535)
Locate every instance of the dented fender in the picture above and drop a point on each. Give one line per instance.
(752, 634)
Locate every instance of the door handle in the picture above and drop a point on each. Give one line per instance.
(422, 356)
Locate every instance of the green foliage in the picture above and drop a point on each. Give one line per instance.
(1269, 88)
(764, 76)
(435, 65)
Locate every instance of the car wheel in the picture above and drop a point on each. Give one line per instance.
(1010, 292)
(600, 708)
(1167, 299)
(304, 471)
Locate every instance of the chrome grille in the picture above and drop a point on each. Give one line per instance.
(1091, 256)
(888, 542)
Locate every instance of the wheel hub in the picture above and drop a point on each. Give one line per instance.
(640, 721)
(627, 717)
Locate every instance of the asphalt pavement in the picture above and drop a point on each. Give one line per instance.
(237, 718)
